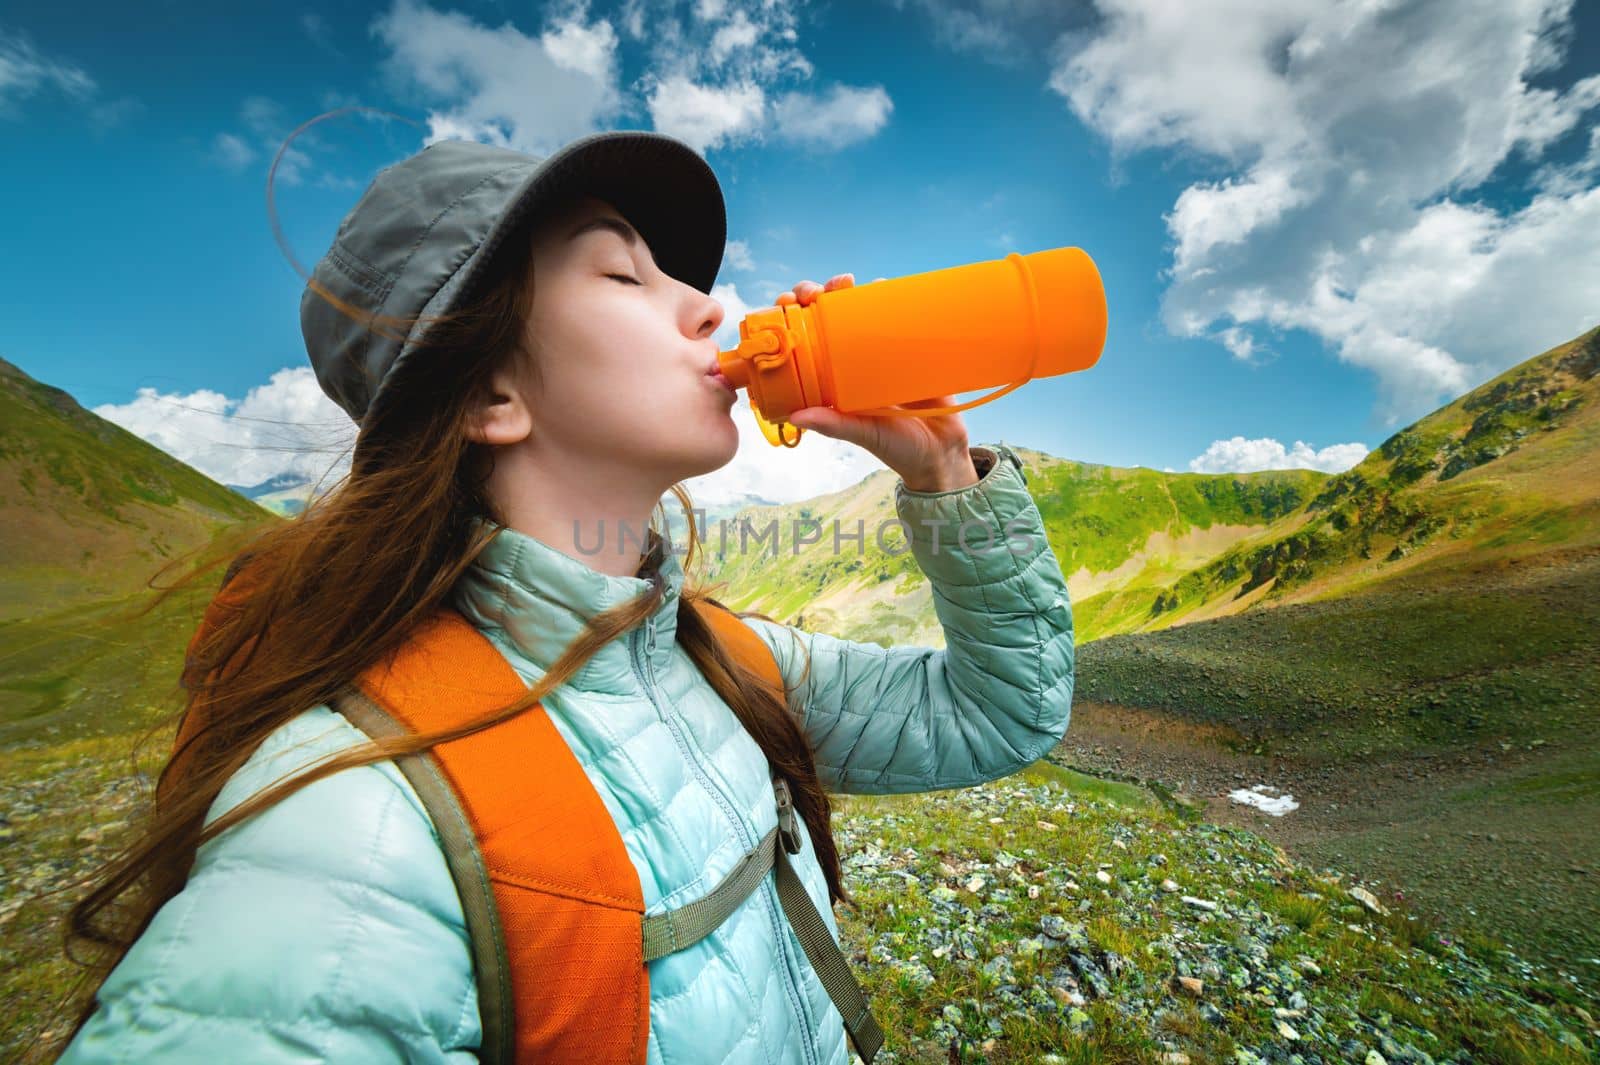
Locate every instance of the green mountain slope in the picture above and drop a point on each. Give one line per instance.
(1506, 471)
(1113, 530)
(1442, 591)
(87, 509)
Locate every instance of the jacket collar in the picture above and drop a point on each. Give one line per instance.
(539, 598)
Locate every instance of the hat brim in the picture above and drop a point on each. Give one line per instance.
(663, 187)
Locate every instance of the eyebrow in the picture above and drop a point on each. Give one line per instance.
(615, 225)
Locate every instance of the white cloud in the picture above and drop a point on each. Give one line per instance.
(286, 426)
(725, 42)
(842, 116)
(631, 18)
(266, 128)
(25, 71)
(1568, 179)
(998, 31)
(739, 32)
(1238, 455)
(736, 253)
(1543, 115)
(716, 76)
(1350, 138)
(500, 85)
(232, 152)
(724, 116)
(705, 117)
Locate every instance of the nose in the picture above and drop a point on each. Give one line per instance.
(704, 313)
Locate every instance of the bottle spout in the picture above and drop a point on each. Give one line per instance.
(734, 368)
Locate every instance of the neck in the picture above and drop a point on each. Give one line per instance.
(595, 513)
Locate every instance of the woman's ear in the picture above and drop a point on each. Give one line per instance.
(504, 417)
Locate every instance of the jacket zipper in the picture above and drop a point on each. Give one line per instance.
(646, 676)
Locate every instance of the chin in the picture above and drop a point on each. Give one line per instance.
(707, 452)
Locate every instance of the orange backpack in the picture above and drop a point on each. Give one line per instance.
(553, 905)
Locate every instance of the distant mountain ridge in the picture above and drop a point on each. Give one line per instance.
(1144, 550)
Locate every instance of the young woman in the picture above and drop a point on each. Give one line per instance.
(525, 345)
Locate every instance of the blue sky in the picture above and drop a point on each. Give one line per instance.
(1315, 222)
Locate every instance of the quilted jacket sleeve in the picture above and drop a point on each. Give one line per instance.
(996, 698)
(326, 928)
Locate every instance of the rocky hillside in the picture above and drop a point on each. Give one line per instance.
(1050, 917)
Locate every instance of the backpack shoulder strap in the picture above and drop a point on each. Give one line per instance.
(491, 967)
(741, 641)
(562, 974)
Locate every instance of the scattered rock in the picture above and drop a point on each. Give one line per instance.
(1368, 899)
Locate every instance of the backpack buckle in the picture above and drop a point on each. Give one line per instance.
(788, 823)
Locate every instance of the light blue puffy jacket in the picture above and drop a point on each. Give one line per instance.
(327, 928)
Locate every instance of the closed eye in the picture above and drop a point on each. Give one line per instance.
(625, 277)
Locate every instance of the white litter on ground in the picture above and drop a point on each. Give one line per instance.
(1268, 799)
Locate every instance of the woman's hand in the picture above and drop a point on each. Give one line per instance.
(930, 454)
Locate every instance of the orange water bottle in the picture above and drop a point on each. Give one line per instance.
(864, 348)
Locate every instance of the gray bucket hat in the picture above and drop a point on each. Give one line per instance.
(430, 227)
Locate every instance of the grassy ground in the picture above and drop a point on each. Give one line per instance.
(77, 689)
(1439, 734)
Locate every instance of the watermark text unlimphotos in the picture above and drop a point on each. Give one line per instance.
(974, 536)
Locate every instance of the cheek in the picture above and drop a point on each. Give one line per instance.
(608, 370)
(597, 396)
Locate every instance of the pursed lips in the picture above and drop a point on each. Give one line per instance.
(714, 371)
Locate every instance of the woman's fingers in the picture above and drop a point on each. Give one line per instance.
(806, 291)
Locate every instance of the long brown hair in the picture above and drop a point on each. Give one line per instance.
(355, 573)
